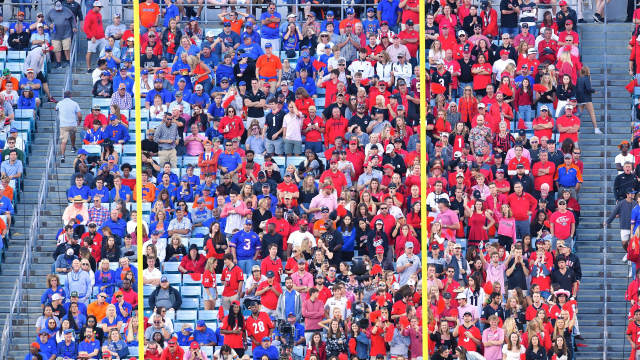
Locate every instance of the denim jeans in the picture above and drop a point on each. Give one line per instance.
(525, 113)
(315, 146)
(522, 228)
(513, 31)
(246, 265)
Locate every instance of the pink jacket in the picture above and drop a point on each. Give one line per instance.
(313, 312)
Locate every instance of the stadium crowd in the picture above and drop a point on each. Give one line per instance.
(281, 181)
(89, 308)
(504, 179)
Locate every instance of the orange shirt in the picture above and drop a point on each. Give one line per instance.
(14, 81)
(148, 192)
(268, 65)
(236, 26)
(97, 310)
(149, 14)
(8, 192)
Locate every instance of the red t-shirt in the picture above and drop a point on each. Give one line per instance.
(269, 299)
(568, 121)
(538, 180)
(274, 265)
(481, 81)
(338, 179)
(334, 128)
(562, 224)
(233, 340)
(231, 279)
(543, 121)
(313, 135)
(258, 328)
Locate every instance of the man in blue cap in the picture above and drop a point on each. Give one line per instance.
(116, 131)
(123, 77)
(251, 48)
(166, 96)
(330, 18)
(230, 40)
(203, 335)
(371, 24)
(265, 348)
(48, 346)
(185, 336)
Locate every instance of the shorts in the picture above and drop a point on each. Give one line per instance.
(66, 131)
(206, 296)
(274, 146)
(96, 47)
(269, 78)
(41, 77)
(59, 45)
(292, 147)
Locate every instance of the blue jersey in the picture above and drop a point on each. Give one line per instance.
(67, 351)
(247, 244)
(103, 193)
(94, 136)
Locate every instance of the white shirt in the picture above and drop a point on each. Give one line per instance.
(621, 159)
(341, 304)
(297, 237)
(500, 65)
(512, 355)
(402, 71)
(151, 274)
(161, 247)
(363, 66)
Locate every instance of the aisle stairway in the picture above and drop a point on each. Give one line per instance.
(596, 154)
(24, 332)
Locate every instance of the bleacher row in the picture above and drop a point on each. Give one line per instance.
(24, 121)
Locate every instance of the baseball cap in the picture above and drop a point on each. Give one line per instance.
(58, 5)
(461, 32)
(201, 323)
(270, 274)
(226, 23)
(164, 279)
(379, 249)
(267, 45)
(97, 3)
(266, 338)
(255, 268)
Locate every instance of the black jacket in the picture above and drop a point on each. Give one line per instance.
(624, 182)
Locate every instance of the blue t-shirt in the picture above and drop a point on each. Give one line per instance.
(74, 191)
(246, 244)
(69, 351)
(389, 11)
(230, 161)
(267, 31)
(124, 191)
(104, 193)
(370, 26)
(117, 133)
(171, 13)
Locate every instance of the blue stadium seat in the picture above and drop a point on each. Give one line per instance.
(171, 267)
(207, 315)
(191, 291)
(186, 315)
(190, 303)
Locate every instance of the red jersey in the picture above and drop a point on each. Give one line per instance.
(258, 328)
(466, 342)
(633, 330)
(231, 279)
(532, 311)
(268, 264)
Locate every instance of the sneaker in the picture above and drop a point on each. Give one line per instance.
(597, 131)
(73, 149)
(624, 258)
(582, 21)
(62, 159)
(597, 18)
(89, 71)
(53, 100)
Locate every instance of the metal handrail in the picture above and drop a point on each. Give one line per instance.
(69, 75)
(605, 333)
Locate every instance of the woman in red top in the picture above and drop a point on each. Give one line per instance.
(317, 349)
(231, 125)
(303, 101)
(481, 75)
(209, 283)
(193, 263)
(215, 244)
(233, 328)
(447, 18)
(468, 106)
(479, 223)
